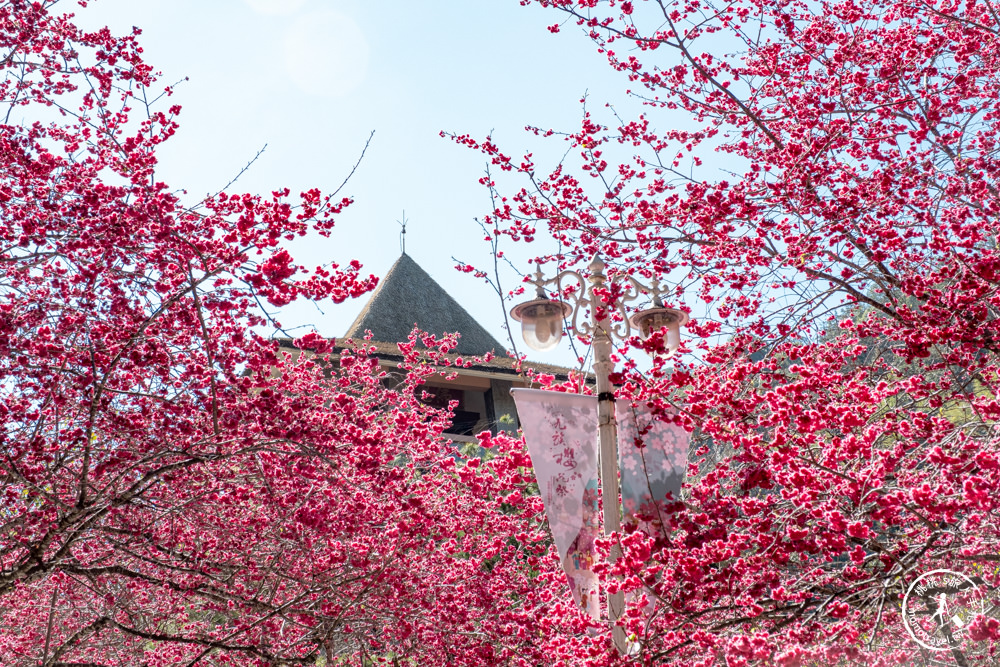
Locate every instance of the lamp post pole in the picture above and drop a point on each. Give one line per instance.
(542, 326)
(607, 440)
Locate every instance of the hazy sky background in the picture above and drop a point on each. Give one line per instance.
(312, 78)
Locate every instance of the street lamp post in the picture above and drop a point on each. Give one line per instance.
(541, 327)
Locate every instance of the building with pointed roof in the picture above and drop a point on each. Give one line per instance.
(406, 297)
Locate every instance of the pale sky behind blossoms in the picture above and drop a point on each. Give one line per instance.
(312, 78)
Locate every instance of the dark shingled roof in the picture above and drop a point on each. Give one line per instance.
(408, 296)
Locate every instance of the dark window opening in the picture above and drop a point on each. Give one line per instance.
(470, 416)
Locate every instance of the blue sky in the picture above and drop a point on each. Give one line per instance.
(312, 78)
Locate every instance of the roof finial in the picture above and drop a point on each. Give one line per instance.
(402, 234)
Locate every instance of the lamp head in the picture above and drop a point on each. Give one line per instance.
(541, 322)
(654, 319)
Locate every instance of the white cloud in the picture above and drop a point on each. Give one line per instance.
(326, 54)
(275, 6)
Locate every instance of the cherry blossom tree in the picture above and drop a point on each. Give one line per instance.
(817, 182)
(177, 488)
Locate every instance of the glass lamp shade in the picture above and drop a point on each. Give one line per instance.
(541, 322)
(654, 319)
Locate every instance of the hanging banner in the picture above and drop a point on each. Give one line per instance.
(561, 433)
(652, 458)
(652, 455)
